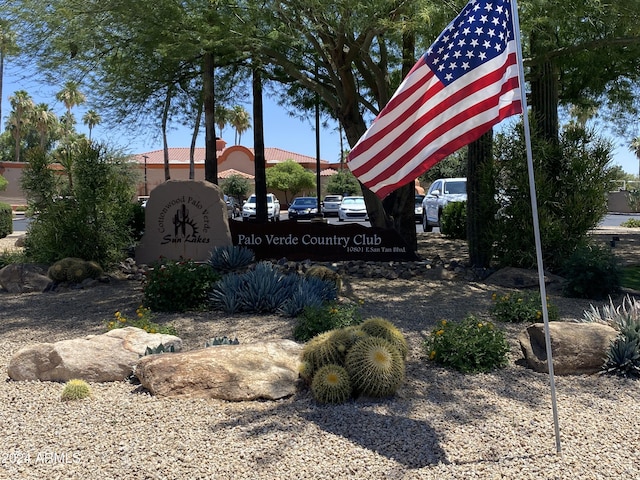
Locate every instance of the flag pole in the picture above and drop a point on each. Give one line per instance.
(536, 224)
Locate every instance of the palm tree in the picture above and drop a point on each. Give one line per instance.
(222, 117)
(634, 146)
(71, 96)
(91, 119)
(45, 121)
(22, 106)
(7, 47)
(240, 120)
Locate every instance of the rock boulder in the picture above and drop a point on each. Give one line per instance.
(23, 278)
(576, 348)
(96, 358)
(266, 370)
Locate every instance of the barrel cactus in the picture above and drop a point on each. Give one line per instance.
(323, 349)
(325, 273)
(379, 327)
(375, 366)
(331, 384)
(74, 270)
(76, 390)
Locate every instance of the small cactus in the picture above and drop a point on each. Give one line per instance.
(331, 384)
(324, 349)
(375, 366)
(379, 327)
(76, 390)
(73, 270)
(215, 341)
(159, 349)
(325, 273)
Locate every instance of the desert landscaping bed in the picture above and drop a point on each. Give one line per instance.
(440, 425)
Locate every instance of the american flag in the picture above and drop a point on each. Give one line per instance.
(463, 85)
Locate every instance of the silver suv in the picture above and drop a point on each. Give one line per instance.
(273, 208)
(441, 192)
(331, 204)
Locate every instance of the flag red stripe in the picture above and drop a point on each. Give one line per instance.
(446, 104)
(413, 155)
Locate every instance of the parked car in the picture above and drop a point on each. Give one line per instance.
(418, 208)
(303, 207)
(331, 204)
(273, 208)
(233, 207)
(352, 208)
(440, 193)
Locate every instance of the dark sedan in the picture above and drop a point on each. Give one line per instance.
(303, 207)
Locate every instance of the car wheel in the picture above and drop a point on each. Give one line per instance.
(425, 224)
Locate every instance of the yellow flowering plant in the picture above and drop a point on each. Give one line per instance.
(469, 346)
(142, 320)
(521, 307)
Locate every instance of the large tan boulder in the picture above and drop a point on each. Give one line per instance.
(576, 348)
(96, 358)
(23, 278)
(266, 370)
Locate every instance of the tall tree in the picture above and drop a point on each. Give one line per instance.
(46, 121)
(91, 118)
(71, 96)
(22, 107)
(8, 47)
(634, 146)
(240, 120)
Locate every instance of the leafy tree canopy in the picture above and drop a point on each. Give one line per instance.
(291, 178)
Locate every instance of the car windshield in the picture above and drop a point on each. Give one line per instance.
(332, 199)
(252, 199)
(455, 187)
(307, 202)
(353, 201)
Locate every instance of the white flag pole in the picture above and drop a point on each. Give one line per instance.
(536, 224)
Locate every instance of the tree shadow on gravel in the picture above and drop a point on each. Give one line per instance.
(411, 442)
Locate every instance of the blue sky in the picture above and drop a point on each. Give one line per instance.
(280, 129)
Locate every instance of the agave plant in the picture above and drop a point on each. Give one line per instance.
(623, 358)
(231, 257)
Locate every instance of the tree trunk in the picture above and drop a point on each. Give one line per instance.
(210, 155)
(258, 147)
(400, 204)
(165, 143)
(481, 205)
(192, 149)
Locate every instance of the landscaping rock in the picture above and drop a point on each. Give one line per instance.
(109, 357)
(24, 278)
(511, 277)
(266, 370)
(576, 348)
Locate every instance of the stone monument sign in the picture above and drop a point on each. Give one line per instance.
(184, 219)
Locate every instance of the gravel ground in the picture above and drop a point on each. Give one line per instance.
(440, 425)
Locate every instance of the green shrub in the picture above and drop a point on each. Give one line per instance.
(469, 346)
(177, 286)
(75, 390)
(6, 220)
(142, 320)
(87, 218)
(591, 271)
(572, 179)
(521, 307)
(329, 316)
(631, 223)
(11, 256)
(453, 222)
